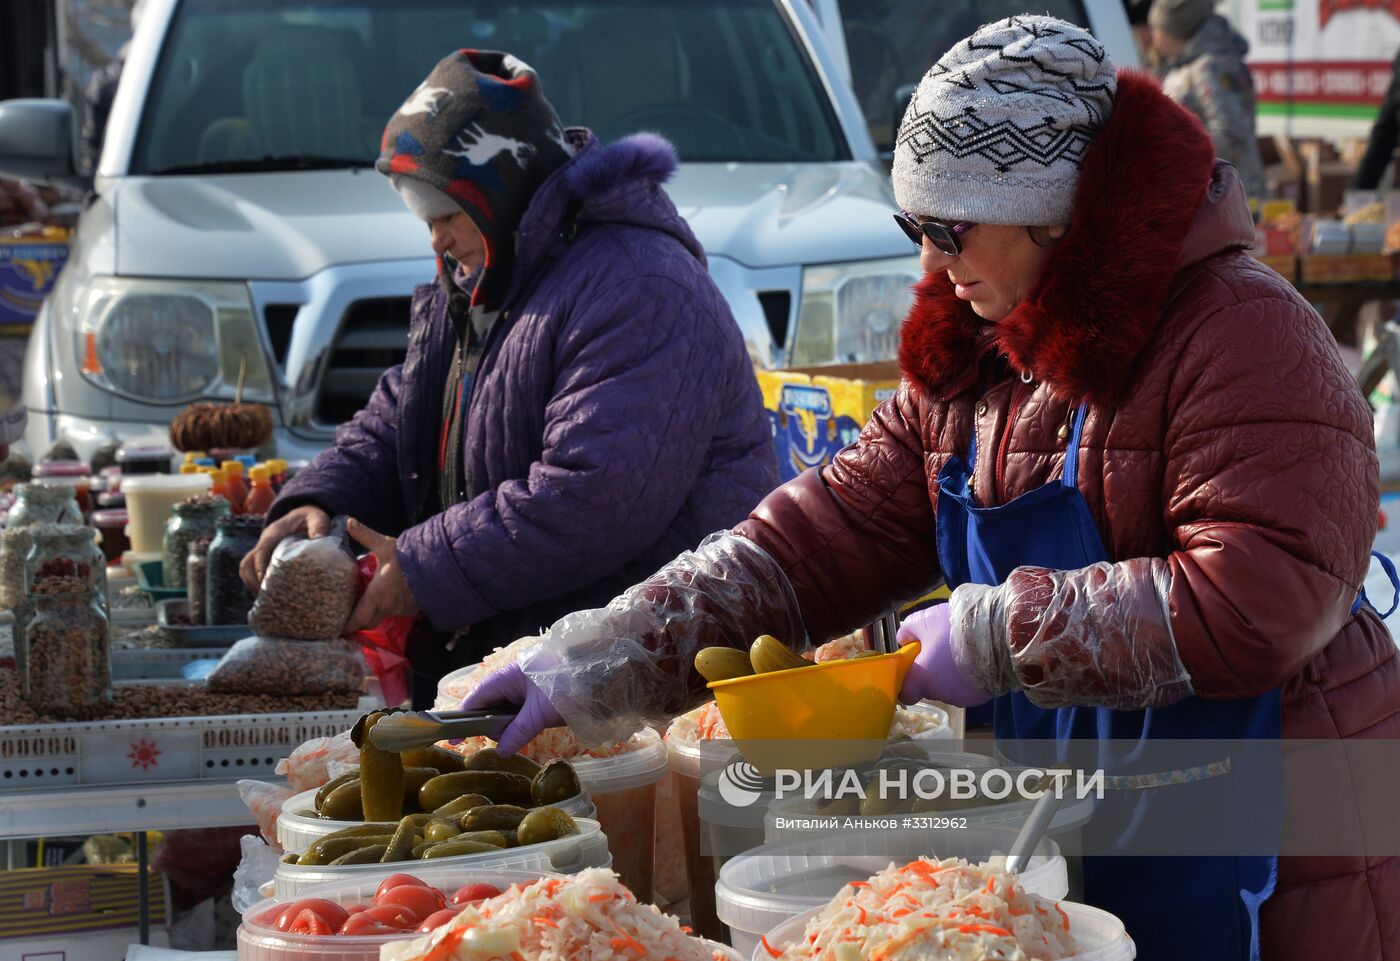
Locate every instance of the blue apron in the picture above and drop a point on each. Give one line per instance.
(1170, 905)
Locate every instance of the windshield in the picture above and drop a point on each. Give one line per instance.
(892, 44)
(300, 84)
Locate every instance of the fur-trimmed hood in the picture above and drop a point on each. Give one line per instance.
(1151, 200)
(616, 183)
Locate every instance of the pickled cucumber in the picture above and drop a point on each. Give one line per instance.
(401, 844)
(381, 777)
(327, 849)
(769, 654)
(493, 817)
(457, 846)
(345, 804)
(442, 829)
(556, 782)
(545, 824)
(439, 759)
(360, 830)
(365, 855)
(324, 791)
(722, 663)
(461, 805)
(489, 759)
(413, 779)
(501, 787)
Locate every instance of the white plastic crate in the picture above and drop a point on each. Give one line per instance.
(161, 749)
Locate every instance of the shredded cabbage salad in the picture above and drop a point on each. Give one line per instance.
(927, 910)
(589, 916)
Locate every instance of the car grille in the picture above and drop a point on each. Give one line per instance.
(373, 337)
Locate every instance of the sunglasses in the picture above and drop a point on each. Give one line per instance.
(946, 238)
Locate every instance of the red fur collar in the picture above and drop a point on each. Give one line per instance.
(1082, 329)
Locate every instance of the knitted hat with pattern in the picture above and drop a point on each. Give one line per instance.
(999, 126)
(480, 131)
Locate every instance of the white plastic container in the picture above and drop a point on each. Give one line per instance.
(760, 890)
(623, 789)
(587, 849)
(259, 943)
(295, 832)
(1101, 936)
(151, 499)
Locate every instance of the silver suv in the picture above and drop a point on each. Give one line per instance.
(235, 222)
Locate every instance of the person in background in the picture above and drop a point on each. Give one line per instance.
(1142, 33)
(1202, 68)
(577, 403)
(99, 94)
(1385, 136)
(1136, 457)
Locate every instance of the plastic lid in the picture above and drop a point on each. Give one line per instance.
(193, 455)
(189, 468)
(644, 765)
(278, 465)
(164, 483)
(127, 455)
(110, 518)
(715, 810)
(247, 460)
(61, 468)
(218, 476)
(111, 499)
(261, 474)
(233, 468)
(695, 759)
(204, 461)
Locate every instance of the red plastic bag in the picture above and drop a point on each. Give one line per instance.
(385, 645)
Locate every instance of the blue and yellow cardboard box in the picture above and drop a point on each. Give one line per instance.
(29, 265)
(78, 912)
(816, 411)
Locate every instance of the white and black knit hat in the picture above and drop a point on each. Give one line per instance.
(999, 126)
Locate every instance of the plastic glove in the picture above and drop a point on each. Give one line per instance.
(509, 687)
(612, 670)
(935, 673)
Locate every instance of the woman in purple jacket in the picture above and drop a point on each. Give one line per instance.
(577, 404)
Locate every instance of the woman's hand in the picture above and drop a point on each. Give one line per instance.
(511, 687)
(387, 594)
(309, 521)
(935, 675)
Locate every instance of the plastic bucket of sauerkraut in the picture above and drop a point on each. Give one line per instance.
(1100, 935)
(760, 890)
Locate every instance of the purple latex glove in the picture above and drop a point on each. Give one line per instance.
(511, 687)
(935, 674)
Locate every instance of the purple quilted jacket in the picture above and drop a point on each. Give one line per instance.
(614, 421)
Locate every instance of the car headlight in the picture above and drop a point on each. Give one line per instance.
(850, 313)
(166, 341)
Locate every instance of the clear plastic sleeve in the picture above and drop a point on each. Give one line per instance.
(1100, 636)
(612, 670)
(274, 665)
(309, 590)
(264, 802)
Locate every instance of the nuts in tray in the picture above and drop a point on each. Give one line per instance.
(265, 665)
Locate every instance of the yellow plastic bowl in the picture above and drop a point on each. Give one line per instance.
(840, 711)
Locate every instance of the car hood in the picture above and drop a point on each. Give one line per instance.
(289, 226)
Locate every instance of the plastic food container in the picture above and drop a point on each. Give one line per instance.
(295, 832)
(112, 525)
(150, 501)
(67, 473)
(259, 943)
(729, 827)
(144, 460)
(587, 849)
(623, 789)
(1101, 936)
(758, 891)
(689, 762)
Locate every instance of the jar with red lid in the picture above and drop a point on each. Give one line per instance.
(111, 523)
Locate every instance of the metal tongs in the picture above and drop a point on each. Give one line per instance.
(410, 729)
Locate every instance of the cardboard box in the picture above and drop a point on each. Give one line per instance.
(1285, 264)
(1345, 268)
(79, 912)
(28, 268)
(1327, 184)
(816, 411)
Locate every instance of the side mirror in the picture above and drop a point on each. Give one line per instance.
(902, 95)
(36, 141)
